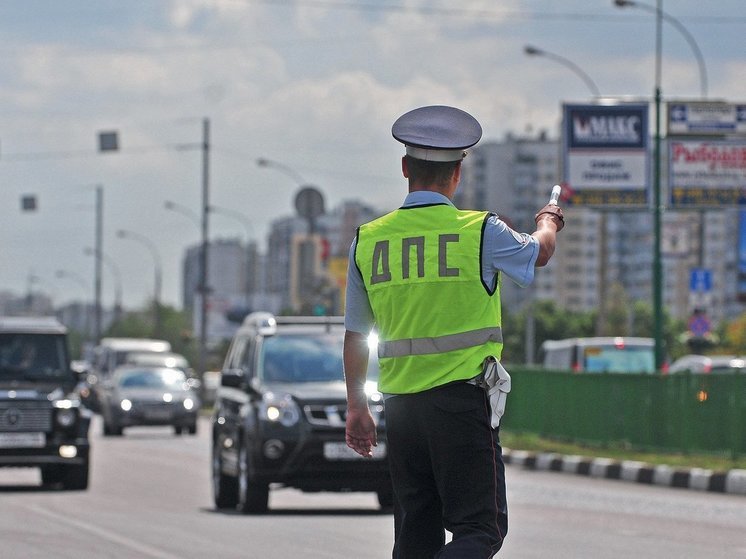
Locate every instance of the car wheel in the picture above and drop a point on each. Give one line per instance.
(75, 478)
(253, 497)
(224, 487)
(112, 430)
(178, 429)
(193, 429)
(386, 498)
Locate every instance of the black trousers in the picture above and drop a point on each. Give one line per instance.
(448, 474)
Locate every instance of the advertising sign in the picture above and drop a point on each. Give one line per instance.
(707, 172)
(606, 160)
(705, 118)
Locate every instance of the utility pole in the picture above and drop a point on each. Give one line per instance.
(97, 261)
(204, 260)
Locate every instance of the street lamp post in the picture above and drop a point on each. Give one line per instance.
(660, 15)
(97, 263)
(142, 239)
(530, 323)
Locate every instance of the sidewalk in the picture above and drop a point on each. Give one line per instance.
(732, 481)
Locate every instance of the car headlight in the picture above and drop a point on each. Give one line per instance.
(125, 404)
(188, 404)
(279, 409)
(66, 417)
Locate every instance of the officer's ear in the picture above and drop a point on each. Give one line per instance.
(404, 169)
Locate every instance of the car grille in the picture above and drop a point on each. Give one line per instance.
(335, 415)
(25, 416)
(328, 415)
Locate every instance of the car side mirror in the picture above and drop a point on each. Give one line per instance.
(232, 378)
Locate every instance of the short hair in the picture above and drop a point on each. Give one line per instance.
(435, 173)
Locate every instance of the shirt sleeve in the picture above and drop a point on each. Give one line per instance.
(358, 314)
(508, 251)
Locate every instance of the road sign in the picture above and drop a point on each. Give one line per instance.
(706, 118)
(700, 280)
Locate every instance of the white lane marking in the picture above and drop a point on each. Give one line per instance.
(142, 549)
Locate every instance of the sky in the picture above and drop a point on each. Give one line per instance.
(310, 85)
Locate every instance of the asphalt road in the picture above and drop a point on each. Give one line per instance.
(150, 497)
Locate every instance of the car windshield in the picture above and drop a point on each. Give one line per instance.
(33, 357)
(171, 379)
(613, 359)
(306, 358)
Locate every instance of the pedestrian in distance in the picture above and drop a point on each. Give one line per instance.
(427, 278)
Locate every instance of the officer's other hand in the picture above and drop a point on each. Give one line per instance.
(553, 212)
(360, 431)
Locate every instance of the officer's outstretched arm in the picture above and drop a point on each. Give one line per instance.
(549, 221)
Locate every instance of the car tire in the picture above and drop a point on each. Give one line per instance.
(75, 478)
(193, 429)
(224, 487)
(178, 429)
(253, 497)
(111, 430)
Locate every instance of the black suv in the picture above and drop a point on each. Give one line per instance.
(42, 423)
(280, 415)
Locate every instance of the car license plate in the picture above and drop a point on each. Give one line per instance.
(158, 415)
(340, 451)
(22, 440)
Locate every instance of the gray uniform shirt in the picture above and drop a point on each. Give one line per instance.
(503, 250)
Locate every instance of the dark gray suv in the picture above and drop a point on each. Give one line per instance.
(280, 415)
(42, 423)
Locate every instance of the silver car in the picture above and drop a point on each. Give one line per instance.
(140, 395)
(705, 364)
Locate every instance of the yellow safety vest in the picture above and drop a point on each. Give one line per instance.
(436, 319)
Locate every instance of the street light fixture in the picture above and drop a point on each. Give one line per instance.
(263, 162)
(183, 210)
(534, 51)
(142, 239)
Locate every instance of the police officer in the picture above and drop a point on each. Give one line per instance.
(427, 277)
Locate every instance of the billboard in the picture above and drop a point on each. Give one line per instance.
(605, 154)
(706, 172)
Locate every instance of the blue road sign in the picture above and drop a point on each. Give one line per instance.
(700, 280)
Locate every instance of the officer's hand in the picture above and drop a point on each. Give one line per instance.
(554, 212)
(360, 432)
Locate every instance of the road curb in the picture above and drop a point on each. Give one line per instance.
(698, 479)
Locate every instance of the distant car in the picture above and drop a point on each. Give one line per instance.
(280, 415)
(42, 422)
(600, 355)
(140, 395)
(111, 353)
(705, 364)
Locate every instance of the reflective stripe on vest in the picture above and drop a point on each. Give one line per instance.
(442, 344)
